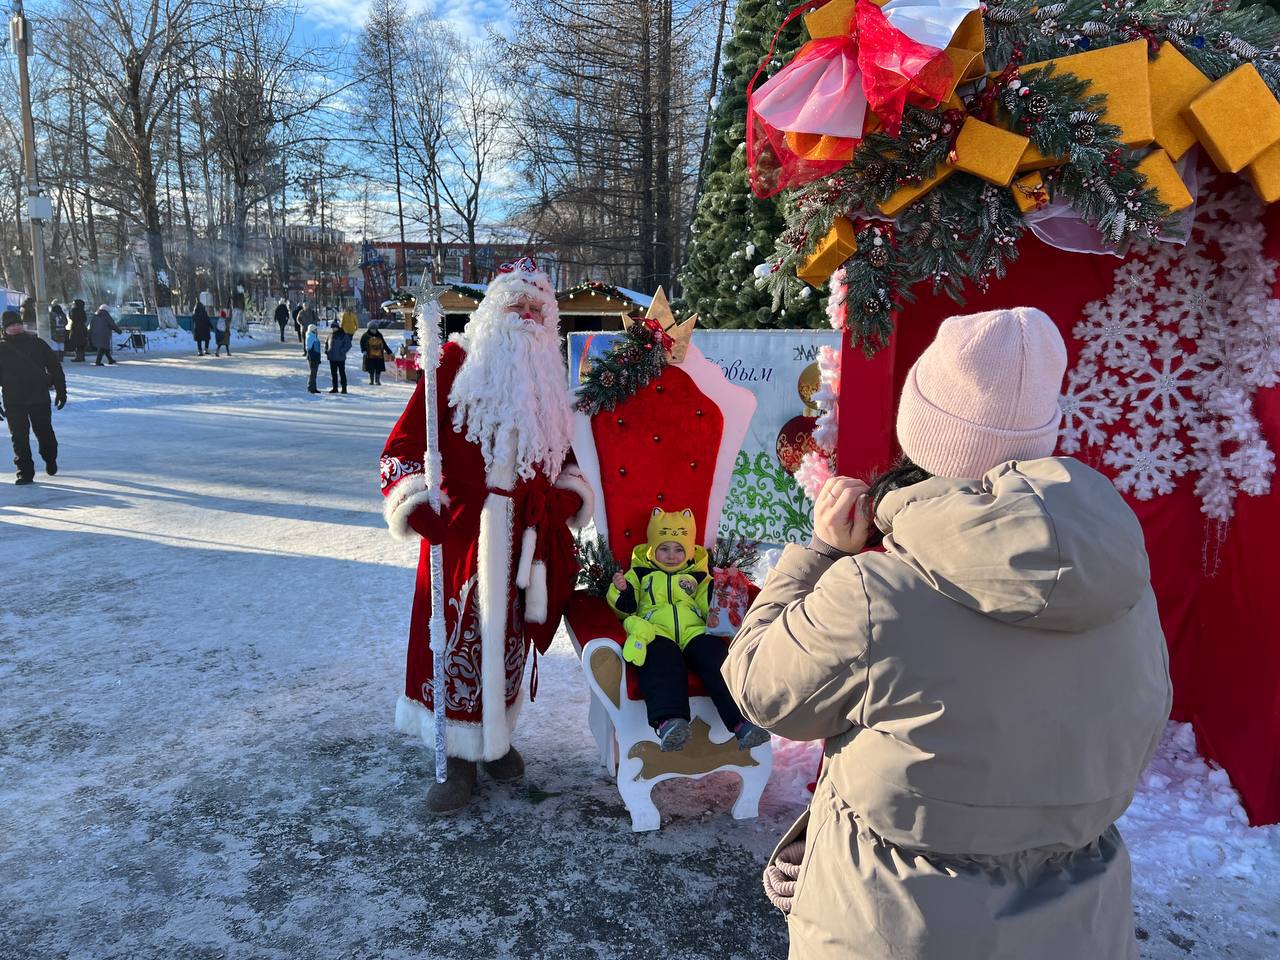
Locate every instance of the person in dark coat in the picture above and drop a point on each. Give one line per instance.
(101, 327)
(282, 316)
(335, 348)
(58, 328)
(306, 318)
(78, 330)
(375, 352)
(298, 328)
(28, 313)
(28, 370)
(201, 329)
(223, 332)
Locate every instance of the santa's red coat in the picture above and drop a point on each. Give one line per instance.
(481, 531)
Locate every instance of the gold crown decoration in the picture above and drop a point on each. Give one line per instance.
(680, 332)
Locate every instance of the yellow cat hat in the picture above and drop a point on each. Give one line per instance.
(671, 527)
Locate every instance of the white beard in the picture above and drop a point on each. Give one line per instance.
(512, 397)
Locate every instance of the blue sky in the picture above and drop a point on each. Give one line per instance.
(331, 21)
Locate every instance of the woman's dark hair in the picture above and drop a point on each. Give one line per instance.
(903, 473)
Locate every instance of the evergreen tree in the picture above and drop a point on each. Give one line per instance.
(733, 230)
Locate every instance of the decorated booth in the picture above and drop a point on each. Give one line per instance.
(635, 458)
(1112, 165)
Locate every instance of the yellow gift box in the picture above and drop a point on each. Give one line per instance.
(1175, 82)
(1235, 119)
(966, 49)
(1119, 72)
(989, 152)
(1264, 174)
(904, 196)
(832, 19)
(1162, 176)
(832, 250)
(1029, 192)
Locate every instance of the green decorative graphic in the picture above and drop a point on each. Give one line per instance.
(765, 503)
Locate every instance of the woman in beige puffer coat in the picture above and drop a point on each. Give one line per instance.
(989, 687)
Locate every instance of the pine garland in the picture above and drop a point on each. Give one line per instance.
(637, 358)
(596, 566)
(967, 231)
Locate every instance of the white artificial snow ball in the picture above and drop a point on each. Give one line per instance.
(805, 293)
(763, 270)
(750, 250)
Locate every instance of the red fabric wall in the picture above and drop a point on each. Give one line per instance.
(1217, 595)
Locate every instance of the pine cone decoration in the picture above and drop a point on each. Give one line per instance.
(872, 305)
(1038, 105)
(1084, 134)
(607, 379)
(878, 257)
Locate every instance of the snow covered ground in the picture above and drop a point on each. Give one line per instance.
(201, 633)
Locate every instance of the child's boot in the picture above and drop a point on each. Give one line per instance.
(673, 734)
(749, 735)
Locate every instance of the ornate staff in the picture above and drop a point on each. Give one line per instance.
(430, 318)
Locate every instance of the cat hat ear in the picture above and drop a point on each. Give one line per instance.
(657, 512)
(687, 513)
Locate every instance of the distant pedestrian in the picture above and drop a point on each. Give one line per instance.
(375, 351)
(307, 318)
(282, 316)
(222, 330)
(201, 328)
(101, 327)
(28, 370)
(336, 348)
(28, 310)
(77, 330)
(350, 322)
(58, 329)
(312, 348)
(298, 328)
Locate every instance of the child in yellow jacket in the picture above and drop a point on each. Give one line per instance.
(663, 599)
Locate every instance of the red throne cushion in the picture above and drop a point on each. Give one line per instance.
(590, 618)
(656, 449)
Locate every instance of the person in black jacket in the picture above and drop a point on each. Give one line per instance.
(28, 369)
(58, 329)
(78, 330)
(200, 328)
(282, 316)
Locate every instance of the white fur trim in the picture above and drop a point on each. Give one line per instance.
(528, 543)
(462, 740)
(535, 598)
(404, 498)
(571, 478)
(493, 581)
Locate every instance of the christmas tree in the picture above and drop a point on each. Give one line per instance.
(733, 231)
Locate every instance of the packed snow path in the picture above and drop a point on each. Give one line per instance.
(201, 637)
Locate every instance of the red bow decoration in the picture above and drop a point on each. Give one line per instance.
(523, 265)
(660, 336)
(819, 88)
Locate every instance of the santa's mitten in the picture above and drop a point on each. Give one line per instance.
(428, 524)
(639, 633)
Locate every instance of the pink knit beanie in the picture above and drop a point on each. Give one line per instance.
(984, 392)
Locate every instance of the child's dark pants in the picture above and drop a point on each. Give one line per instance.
(664, 679)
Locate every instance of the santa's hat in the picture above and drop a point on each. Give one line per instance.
(521, 278)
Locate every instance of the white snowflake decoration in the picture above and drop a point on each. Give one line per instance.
(1088, 405)
(1160, 384)
(1114, 330)
(1146, 464)
(1184, 378)
(1186, 301)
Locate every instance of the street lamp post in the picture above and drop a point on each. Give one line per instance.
(39, 208)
